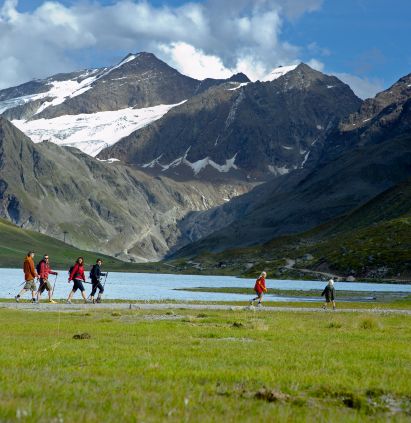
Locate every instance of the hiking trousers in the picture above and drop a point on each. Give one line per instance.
(96, 284)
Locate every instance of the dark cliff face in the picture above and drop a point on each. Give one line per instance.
(387, 115)
(267, 128)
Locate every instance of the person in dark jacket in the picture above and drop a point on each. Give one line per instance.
(329, 293)
(78, 277)
(96, 274)
(44, 272)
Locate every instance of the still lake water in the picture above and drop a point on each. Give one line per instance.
(148, 286)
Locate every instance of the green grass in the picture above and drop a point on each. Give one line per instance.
(184, 365)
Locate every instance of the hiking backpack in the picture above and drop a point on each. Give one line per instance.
(92, 271)
(38, 265)
(70, 270)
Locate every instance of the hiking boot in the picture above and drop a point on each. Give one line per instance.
(17, 298)
(259, 305)
(87, 301)
(251, 303)
(68, 302)
(34, 301)
(52, 302)
(333, 307)
(98, 301)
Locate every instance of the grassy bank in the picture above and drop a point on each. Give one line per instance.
(184, 365)
(354, 295)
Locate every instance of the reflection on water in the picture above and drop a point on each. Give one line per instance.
(147, 286)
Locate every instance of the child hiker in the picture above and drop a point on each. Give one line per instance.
(329, 293)
(260, 289)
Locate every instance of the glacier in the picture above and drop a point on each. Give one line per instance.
(92, 132)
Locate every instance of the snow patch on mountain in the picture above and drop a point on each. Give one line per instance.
(277, 72)
(278, 170)
(239, 85)
(17, 101)
(92, 132)
(196, 166)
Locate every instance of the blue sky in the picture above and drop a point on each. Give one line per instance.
(364, 42)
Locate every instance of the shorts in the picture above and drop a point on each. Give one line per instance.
(30, 285)
(78, 284)
(44, 284)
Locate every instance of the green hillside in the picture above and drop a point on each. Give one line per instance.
(15, 242)
(371, 242)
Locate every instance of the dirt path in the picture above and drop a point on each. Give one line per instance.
(67, 308)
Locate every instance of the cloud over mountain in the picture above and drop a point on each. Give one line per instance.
(223, 36)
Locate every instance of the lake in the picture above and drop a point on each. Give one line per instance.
(148, 286)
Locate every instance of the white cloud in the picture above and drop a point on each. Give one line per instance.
(221, 35)
(316, 64)
(363, 87)
(195, 63)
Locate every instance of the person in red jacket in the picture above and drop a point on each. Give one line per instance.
(78, 277)
(260, 289)
(44, 272)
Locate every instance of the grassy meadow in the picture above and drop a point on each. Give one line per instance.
(186, 365)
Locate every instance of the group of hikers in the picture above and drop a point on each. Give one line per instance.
(260, 289)
(42, 271)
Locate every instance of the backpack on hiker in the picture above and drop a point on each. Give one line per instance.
(71, 269)
(38, 266)
(92, 272)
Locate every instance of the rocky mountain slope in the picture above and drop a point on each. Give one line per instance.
(372, 241)
(256, 129)
(104, 207)
(355, 165)
(302, 200)
(95, 108)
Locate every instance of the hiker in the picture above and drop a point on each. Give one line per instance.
(43, 269)
(260, 289)
(95, 275)
(29, 275)
(76, 274)
(329, 293)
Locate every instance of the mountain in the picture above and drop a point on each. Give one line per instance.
(252, 130)
(371, 241)
(355, 163)
(94, 108)
(387, 115)
(105, 207)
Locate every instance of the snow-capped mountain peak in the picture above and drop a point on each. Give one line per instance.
(277, 72)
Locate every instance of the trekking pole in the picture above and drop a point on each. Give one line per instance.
(54, 285)
(104, 284)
